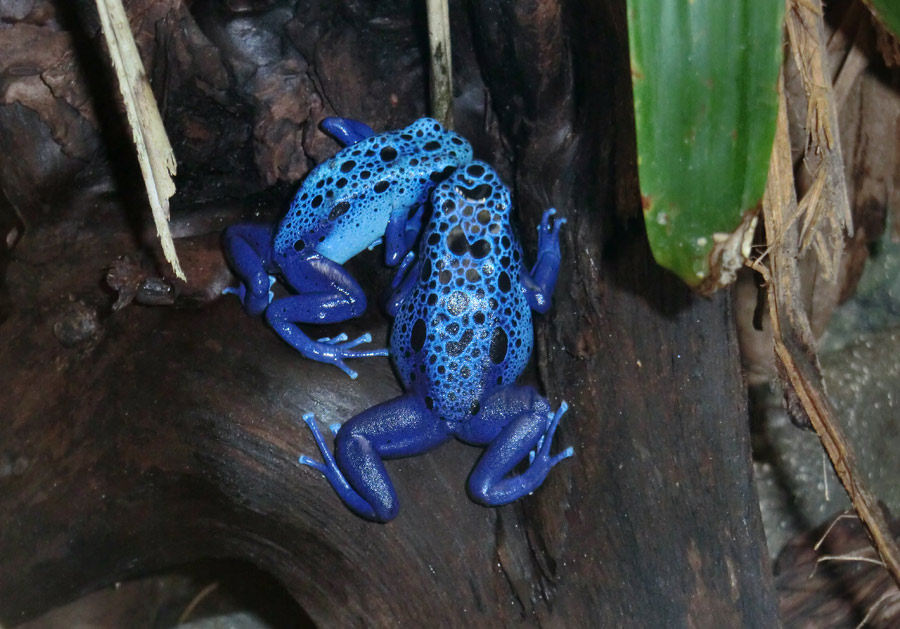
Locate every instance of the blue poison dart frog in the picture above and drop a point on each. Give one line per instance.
(461, 337)
(372, 189)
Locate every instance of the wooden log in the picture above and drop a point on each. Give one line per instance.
(155, 436)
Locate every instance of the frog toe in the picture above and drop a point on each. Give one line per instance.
(318, 465)
(333, 340)
(350, 372)
(238, 291)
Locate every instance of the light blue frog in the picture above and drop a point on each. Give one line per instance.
(373, 189)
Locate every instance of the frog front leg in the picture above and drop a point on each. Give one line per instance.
(397, 428)
(347, 131)
(401, 233)
(403, 284)
(327, 293)
(540, 284)
(517, 424)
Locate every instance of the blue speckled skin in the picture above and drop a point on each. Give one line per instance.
(373, 189)
(461, 337)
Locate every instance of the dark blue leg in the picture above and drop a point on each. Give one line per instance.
(540, 284)
(408, 272)
(393, 429)
(401, 233)
(403, 283)
(518, 424)
(413, 227)
(248, 248)
(346, 130)
(326, 294)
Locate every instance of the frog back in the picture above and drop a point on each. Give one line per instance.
(345, 203)
(465, 329)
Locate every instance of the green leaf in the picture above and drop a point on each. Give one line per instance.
(888, 13)
(704, 74)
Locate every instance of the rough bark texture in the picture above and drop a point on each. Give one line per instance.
(830, 578)
(140, 438)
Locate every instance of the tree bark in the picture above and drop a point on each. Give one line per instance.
(137, 439)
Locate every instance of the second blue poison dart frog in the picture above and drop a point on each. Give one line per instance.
(373, 189)
(461, 337)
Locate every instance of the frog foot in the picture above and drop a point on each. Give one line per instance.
(335, 349)
(254, 302)
(310, 420)
(541, 453)
(329, 468)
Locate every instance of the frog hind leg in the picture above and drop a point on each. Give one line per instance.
(326, 293)
(519, 425)
(248, 248)
(393, 429)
